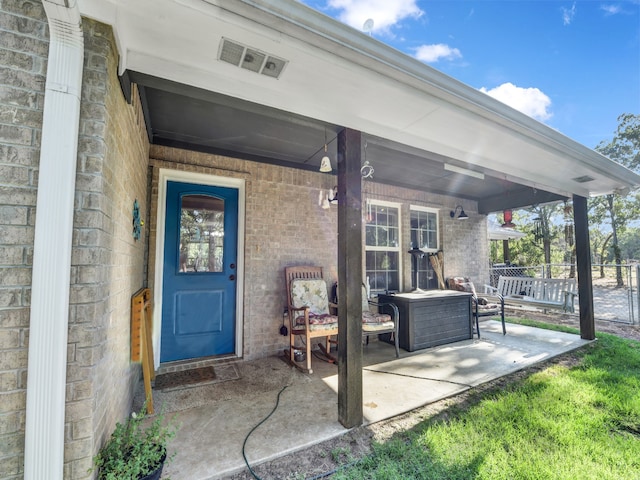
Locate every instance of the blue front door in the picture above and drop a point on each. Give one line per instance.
(199, 276)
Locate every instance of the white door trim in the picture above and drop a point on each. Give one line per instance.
(166, 175)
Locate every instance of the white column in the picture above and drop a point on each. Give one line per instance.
(45, 414)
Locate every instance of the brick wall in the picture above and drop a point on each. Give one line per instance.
(286, 226)
(467, 247)
(23, 53)
(107, 264)
(276, 200)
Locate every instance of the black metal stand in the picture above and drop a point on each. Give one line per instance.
(416, 253)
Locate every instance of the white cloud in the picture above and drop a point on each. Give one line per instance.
(568, 14)
(433, 53)
(611, 9)
(530, 101)
(384, 13)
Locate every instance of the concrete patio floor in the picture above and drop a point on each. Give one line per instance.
(215, 419)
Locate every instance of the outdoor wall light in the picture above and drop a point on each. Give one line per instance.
(461, 215)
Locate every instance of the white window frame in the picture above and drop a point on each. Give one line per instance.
(398, 248)
(418, 208)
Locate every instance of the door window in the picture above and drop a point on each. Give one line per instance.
(201, 246)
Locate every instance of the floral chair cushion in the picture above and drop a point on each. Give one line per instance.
(463, 284)
(312, 293)
(487, 308)
(374, 317)
(370, 315)
(377, 326)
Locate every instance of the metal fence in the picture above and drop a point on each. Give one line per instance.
(615, 287)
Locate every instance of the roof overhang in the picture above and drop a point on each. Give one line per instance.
(497, 232)
(415, 119)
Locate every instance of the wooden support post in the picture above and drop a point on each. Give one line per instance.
(583, 259)
(506, 254)
(141, 342)
(350, 278)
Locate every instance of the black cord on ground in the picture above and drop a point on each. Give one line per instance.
(254, 428)
(418, 377)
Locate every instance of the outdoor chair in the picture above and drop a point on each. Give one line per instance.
(375, 321)
(484, 306)
(308, 311)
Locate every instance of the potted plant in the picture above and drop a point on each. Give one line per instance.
(135, 451)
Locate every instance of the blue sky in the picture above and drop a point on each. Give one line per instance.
(574, 66)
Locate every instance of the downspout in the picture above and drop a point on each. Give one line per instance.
(47, 368)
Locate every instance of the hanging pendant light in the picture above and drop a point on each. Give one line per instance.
(325, 163)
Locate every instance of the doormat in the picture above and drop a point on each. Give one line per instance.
(188, 395)
(185, 378)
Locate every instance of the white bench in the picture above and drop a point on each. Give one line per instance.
(545, 293)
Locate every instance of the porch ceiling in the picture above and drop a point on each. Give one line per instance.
(414, 118)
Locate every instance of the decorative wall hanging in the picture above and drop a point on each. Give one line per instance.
(508, 219)
(569, 234)
(366, 170)
(137, 222)
(538, 229)
(331, 198)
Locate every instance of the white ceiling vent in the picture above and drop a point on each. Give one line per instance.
(250, 58)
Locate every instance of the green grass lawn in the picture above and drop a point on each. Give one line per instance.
(578, 422)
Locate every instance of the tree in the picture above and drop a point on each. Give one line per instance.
(543, 243)
(609, 216)
(618, 209)
(630, 244)
(524, 251)
(628, 141)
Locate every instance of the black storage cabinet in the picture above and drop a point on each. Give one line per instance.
(431, 318)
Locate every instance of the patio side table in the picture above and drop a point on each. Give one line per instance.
(432, 317)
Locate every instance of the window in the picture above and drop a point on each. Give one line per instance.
(382, 246)
(424, 229)
(424, 236)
